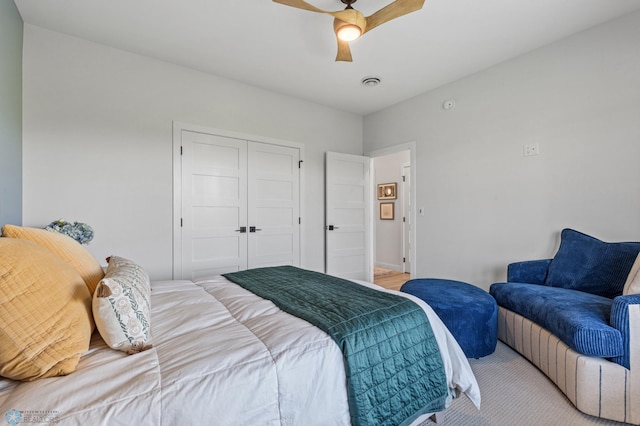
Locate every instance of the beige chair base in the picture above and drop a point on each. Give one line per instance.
(594, 385)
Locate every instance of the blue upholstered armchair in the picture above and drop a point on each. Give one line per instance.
(568, 316)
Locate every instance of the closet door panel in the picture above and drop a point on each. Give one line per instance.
(274, 205)
(214, 204)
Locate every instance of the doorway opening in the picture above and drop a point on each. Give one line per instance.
(393, 248)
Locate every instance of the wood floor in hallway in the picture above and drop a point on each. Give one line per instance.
(392, 280)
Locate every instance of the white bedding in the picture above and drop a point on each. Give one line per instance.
(221, 356)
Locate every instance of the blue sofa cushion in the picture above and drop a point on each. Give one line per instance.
(587, 264)
(579, 319)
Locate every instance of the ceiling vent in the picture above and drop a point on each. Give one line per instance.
(370, 81)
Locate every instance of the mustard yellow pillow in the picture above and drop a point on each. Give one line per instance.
(66, 247)
(45, 312)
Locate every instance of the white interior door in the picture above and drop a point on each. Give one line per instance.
(406, 218)
(214, 205)
(274, 205)
(347, 222)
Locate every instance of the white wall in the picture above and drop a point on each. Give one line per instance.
(10, 113)
(388, 233)
(487, 205)
(98, 141)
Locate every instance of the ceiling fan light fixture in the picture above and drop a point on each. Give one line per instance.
(349, 24)
(349, 32)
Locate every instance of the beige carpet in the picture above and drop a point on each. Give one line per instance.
(515, 393)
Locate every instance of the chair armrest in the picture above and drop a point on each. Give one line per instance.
(625, 317)
(530, 271)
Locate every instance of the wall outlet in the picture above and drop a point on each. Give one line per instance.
(531, 149)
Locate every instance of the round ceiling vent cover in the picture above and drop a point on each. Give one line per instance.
(371, 81)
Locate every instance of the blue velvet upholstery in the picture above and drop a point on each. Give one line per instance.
(470, 313)
(529, 271)
(579, 319)
(620, 320)
(587, 264)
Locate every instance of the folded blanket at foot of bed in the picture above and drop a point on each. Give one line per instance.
(392, 360)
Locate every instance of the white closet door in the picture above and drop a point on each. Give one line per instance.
(347, 227)
(274, 205)
(214, 205)
(239, 205)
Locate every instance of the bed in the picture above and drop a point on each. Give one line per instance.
(221, 355)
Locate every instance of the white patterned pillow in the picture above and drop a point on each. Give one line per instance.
(121, 306)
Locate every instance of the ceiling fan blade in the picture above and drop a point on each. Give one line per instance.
(350, 16)
(344, 52)
(392, 11)
(300, 4)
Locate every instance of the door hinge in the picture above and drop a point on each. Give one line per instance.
(404, 260)
(403, 178)
(180, 149)
(180, 222)
(404, 219)
(299, 221)
(300, 164)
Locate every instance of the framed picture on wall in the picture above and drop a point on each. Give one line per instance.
(387, 191)
(386, 211)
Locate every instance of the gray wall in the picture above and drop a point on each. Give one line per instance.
(487, 205)
(10, 114)
(99, 121)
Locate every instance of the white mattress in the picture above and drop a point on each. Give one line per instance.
(221, 356)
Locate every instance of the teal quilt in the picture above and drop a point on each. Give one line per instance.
(392, 361)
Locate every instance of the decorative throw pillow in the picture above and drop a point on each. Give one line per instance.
(45, 312)
(121, 306)
(632, 286)
(587, 264)
(66, 247)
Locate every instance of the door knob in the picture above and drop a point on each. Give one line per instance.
(242, 229)
(331, 227)
(254, 229)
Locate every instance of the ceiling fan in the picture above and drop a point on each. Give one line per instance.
(349, 24)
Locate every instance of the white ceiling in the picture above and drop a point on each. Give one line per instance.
(292, 51)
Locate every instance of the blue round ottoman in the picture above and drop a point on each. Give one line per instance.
(470, 313)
